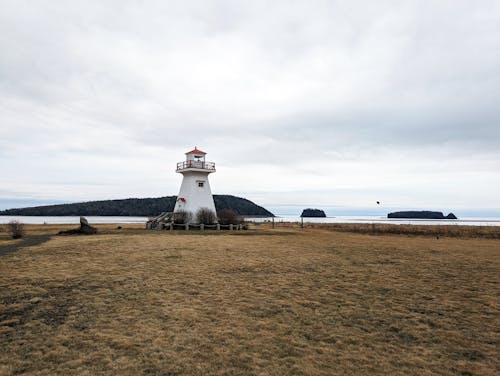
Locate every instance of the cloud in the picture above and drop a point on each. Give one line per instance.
(99, 100)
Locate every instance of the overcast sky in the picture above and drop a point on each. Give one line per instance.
(330, 104)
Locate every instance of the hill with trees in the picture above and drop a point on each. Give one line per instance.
(313, 213)
(140, 207)
(423, 214)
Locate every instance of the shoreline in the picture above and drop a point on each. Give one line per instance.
(460, 232)
(357, 219)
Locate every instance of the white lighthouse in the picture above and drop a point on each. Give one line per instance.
(195, 190)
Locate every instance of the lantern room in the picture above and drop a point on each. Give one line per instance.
(195, 161)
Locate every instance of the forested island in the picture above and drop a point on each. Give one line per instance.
(424, 214)
(313, 213)
(139, 207)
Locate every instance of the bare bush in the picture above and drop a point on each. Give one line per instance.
(229, 217)
(182, 217)
(206, 216)
(15, 229)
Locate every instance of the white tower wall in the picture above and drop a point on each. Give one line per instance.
(195, 197)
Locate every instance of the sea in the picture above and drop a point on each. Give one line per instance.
(467, 221)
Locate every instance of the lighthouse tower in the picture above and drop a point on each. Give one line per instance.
(195, 190)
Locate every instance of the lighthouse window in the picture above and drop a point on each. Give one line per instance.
(200, 184)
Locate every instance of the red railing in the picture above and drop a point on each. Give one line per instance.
(196, 164)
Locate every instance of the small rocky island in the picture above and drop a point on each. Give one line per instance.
(313, 213)
(424, 214)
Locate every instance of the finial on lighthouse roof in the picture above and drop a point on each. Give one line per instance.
(196, 151)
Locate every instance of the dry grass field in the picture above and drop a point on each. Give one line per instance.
(260, 302)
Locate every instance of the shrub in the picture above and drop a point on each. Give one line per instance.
(15, 229)
(182, 217)
(228, 217)
(206, 216)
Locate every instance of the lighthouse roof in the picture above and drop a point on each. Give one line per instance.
(196, 151)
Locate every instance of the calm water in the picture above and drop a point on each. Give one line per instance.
(70, 219)
(469, 221)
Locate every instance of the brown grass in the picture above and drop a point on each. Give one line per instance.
(462, 231)
(263, 302)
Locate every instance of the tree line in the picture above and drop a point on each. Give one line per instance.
(140, 207)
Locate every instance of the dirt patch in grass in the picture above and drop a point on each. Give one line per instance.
(17, 244)
(299, 302)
